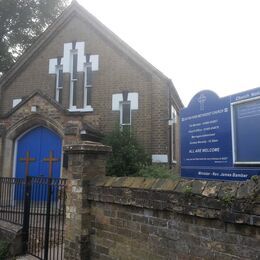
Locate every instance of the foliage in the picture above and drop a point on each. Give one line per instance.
(255, 178)
(128, 157)
(157, 171)
(4, 248)
(21, 22)
(188, 191)
(228, 199)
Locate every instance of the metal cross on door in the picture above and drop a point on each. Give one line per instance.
(33, 153)
(51, 160)
(27, 161)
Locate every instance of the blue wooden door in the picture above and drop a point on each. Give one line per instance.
(33, 150)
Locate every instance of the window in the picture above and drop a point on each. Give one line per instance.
(173, 115)
(173, 120)
(125, 113)
(125, 103)
(59, 83)
(73, 80)
(87, 85)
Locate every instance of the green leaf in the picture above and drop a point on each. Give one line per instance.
(21, 23)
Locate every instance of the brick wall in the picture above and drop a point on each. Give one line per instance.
(136, 218)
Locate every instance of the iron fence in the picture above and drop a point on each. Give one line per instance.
(11, 210)
(38, 205)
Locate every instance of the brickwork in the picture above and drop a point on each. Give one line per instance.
(86, 161)
(160, 116)
(115, 74)
(48, 114)
(118, 71)
(138, 218)
(52, 112)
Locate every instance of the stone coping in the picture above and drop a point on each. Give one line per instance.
(10, 227)
(87, 147)
(12, 233)
(233, 202)
(213, 189)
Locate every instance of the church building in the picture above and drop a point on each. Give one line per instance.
(77, 82)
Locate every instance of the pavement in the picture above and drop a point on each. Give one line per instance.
(55, 253)
(26, 257)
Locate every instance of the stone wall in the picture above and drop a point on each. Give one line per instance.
(136, 218)
(12, 234)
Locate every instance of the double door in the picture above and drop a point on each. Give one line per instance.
(38, 154)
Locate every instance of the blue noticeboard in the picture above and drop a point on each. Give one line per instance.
(220, 137)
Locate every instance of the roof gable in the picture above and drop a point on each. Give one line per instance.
(77, 10)
(35, 93)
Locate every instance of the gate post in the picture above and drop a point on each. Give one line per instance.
(85, 161)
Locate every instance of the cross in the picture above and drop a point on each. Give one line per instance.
(202, 99)
(50, 160)
(27, 161)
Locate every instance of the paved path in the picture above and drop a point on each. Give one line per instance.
(55, 254)
(26, 257)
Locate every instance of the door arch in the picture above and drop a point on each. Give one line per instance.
(36, 145)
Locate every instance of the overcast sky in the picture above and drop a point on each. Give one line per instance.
(199, 44)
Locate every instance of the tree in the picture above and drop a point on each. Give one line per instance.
(21, 22)
(128, 157)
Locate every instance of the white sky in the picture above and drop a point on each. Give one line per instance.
(199, 44)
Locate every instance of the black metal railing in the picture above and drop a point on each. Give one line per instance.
(38, 205)
(12, 210)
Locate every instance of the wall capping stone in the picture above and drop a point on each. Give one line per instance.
(232, 202)
(12, 233)
(247, 189)
(87, 147)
